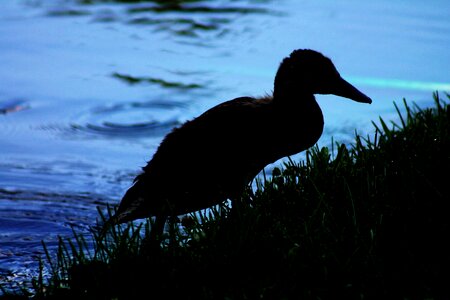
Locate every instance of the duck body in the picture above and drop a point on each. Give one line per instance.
(213, 157)
(220, 152)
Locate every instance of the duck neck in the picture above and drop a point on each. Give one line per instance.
(293, 97)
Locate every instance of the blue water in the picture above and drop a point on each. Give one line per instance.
(73, 136)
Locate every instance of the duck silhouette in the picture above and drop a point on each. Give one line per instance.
(214, 157)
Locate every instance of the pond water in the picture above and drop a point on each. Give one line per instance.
(89, 88)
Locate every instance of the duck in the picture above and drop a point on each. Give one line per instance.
(215, 156)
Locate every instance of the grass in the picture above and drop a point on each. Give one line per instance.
(364, 221)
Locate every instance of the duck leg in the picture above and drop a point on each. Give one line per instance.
(152, 243)
(157, 229)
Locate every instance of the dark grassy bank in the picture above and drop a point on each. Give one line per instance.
(367, 221)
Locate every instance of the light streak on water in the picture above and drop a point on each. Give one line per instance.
(400, 84)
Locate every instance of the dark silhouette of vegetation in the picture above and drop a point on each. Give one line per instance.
(364, 221)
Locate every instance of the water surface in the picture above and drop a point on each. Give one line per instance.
(87, 91)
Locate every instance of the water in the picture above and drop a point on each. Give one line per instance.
(87, 92)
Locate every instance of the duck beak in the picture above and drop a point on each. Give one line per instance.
(345, 89)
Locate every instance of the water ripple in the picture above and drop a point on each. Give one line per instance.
(130, 120)
(28, 217)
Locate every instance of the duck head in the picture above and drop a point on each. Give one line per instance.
(310, 72)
